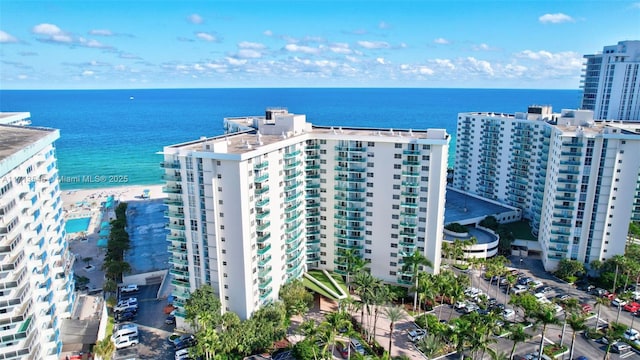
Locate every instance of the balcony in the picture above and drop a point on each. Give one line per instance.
(292, 165)
(263, 249)
(173, 226)
(411, 152)
(174, 202)
(261, 178)
(180, 283)
(414, 183)
(350, 169)
(262, 202)
(174, 214)
(350, 148)
(180, 239)
(264, 260)
(170, 165)
(262, 215)
(261, 226)
(261, 166)
(345, 245)
(292, 154)
(171, 190)
(175, 177)
(349, 179)
(263, 238)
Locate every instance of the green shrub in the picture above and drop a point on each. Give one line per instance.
(455, 227)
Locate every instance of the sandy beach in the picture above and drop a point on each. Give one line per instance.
(92, 198)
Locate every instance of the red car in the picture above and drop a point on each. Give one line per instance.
(609, 295)
(586, 308)
(631, 307)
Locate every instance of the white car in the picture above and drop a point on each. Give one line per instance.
(536, 284)
(125, 308)
(125, 332)
(519, 289)
(618, 302)
(127, 341)
(129, 288)
(128, 302)
(631, 334)
(417, 334)
(508, 314)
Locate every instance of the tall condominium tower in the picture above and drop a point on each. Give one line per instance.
(36, 287)
(611, 82)
(254, 209)
(573, 177)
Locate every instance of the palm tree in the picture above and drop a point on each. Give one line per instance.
(412, 263)
(517, 334)
(570, 306)
(393, 314)
(354, 264)
(104, 348)
(599, 302)
(547, 316)
(381, 296)
(333, 323)
(577, 323)
(364, 283)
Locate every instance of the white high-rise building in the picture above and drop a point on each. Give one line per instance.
(36, 277)
(573, 177)
(611, 82)
(255, 208)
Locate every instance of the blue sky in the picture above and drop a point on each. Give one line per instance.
(193, 44)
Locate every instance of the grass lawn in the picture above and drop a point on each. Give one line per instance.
(521, 230)
(315, 288)
(319, 275)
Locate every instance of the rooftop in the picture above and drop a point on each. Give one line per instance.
(15, 138)
(460, 207)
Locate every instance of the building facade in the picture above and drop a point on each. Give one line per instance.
(275, 196)
(611, 82)
(574, 178)
(36, 277)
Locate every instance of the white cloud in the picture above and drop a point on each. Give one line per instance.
(481, 47)
(373, 44)
(7, 38)
(479, 66)
(534, 55)
(441, 41)
(635, 5)
(251, 45)
(47, 29)
(205, 36)
(268, 33)
(340, 48)
(555, 18)
(301, 48)
(22, 77)
(443, 63)
(235, 62)
(383, 25)
(88, 73)
(248, 54)
(195, 19)
(101, 32)
(380, 60)
(92, 43)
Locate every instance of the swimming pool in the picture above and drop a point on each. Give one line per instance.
(77, 225)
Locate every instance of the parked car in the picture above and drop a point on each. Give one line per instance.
(543, 290)
(125, 308)
(357, 346)
(416, 334)
(170, 320)
(460, 305)
(129, 288)
(132, 301)
(508, 314)
(519, 289)
(185, 341)
(182, 354)
(342, 349)
(631, 307)
(535, 284)
(586, 308)
(126, 342)
(563, 297)
(471, 308)
(620, 347)
(125, 332)
(125, 316)
(618, 302)
(631, 334)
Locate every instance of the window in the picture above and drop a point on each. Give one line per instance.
(398, 146)
(397, 156)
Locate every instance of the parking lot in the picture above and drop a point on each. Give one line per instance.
(153, 332)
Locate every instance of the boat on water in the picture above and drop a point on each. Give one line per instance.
(130, 97)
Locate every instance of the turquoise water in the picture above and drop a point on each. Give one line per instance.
(77, 225)
(108, 140)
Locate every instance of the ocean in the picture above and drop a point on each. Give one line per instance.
(118, 134)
